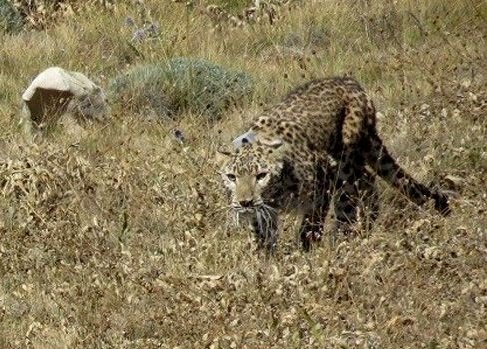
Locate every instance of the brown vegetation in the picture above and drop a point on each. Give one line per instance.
(118, 237)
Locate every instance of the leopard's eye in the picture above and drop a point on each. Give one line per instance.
(261, 175)
(231, 177)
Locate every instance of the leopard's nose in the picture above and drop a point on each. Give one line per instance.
(246, 203)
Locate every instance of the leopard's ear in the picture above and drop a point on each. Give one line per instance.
(276, 148)
(224, 150)
(223, 153)
(270, 142)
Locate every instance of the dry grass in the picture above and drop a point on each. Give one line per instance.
(116, 238)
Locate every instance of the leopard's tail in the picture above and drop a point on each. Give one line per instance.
(386, 167)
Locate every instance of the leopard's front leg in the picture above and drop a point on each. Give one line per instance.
(318, 199)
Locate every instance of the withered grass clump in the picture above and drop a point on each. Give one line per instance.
(121, 237)
(40, 14)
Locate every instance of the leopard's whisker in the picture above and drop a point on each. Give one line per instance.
(269, 208)
(269, 219)
(265, 217)
(260, 219)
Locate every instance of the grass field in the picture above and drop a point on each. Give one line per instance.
(119, 237)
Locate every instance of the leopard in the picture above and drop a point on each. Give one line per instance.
(318, 146)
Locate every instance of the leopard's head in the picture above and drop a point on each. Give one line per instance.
(251, 172)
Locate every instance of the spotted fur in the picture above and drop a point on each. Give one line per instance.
(319, 144)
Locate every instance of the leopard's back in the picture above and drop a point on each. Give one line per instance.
(318, 117)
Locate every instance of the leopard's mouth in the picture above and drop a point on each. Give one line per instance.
(240, 209)
(246, 211)
(248, 206)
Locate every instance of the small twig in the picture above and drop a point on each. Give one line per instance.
(418, 24)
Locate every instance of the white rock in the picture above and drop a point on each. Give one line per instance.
(56, 92)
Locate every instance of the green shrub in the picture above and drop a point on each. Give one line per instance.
(180, 84)
(10, 19)
(141, 89)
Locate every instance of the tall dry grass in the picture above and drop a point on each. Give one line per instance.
(117, 237)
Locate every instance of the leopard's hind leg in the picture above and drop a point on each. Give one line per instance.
(359, 134)
(368, 199)
(356, 199)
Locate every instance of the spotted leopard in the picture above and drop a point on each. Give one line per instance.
(319, 144)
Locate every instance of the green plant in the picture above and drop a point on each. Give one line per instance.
(10, 19)
(196, 85)
(142, 88)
